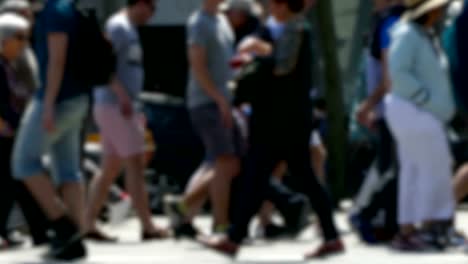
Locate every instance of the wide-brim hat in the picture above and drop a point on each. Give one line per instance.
(249, 6)
(418, 8)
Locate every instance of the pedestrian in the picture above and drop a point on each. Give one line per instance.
(370, 115)
(24, 78)
(417, 110)
(52, 124)
(281, 133)
(244, 17)
(210, 48)
(120, 123)
(292, 206)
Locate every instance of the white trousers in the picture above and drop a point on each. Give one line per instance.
(425, 187)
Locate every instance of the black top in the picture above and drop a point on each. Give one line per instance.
(11, 102)
(375, 45)
(460, 70)
(281, 102)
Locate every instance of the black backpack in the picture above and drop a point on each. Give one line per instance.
(93, 61)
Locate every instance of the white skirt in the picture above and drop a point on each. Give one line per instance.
(425, 180)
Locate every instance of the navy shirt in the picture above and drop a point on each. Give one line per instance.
(58, 16)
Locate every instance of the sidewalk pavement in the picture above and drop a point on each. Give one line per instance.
(131, 251)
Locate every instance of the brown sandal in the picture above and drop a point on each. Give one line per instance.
(98, 236)
(158, 234)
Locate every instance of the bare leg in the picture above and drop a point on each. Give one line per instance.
(73, 195)
(99, 188)
(135, 182)
(44, 192)
(266, 213)
(198, 190)
(461, 183)
(226, 168)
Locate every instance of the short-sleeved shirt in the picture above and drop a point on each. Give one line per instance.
(58, 16)
(386, 31)
(275, 27)
(213, 33)
(373, 65)
(126, 42)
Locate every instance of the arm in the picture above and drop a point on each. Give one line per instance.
(383, 87)
(125, 102)
(197, 60)
(117, 37)
(401, 62)
(365, 111)
(256, 46)
(57, 45)
(288, 49)
(6, 113)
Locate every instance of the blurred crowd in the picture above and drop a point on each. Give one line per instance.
(250, 99)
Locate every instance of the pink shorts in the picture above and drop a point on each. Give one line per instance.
(120, 136)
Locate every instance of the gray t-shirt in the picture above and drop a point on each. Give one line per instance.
(214, 34)
(126, 42)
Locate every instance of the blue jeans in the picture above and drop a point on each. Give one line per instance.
(63, 145)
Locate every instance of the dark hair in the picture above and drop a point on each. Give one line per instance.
(422, 20)
(134, 2)
(296, 6)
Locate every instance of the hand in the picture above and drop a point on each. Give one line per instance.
(226, 113)
(365, 116)
(256, 46)
(48, 119)
(241, 60)
(126, 106)
(6, 130)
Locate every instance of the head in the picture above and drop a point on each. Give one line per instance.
(14, 35)
(240, 11)
(283, 9)
(309, 4)
(142, 10)
(382, 5)
(427, 13)
(20, 7)
(212, 4)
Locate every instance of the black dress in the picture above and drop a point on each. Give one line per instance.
(11, 107)
(280, 126)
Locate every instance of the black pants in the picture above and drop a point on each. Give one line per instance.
(282, 197)
(11, 191)
(385, 198)
(385, 147)
(267, 148)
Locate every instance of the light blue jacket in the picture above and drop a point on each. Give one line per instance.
(419, 71)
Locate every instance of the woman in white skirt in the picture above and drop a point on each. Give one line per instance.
(417, 109)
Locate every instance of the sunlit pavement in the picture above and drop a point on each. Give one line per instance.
(131, 251)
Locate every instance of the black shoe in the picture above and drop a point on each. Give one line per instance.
(73, 251)
(273, 231)
(185, 231)
(435, 237)
(66, 241)
(298, 218)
